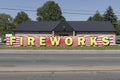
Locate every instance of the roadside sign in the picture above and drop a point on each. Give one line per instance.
(8, 35)
(0, 40)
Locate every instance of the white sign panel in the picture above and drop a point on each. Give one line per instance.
(0, 40)
(8, 35)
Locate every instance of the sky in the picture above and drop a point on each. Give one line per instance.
(77, 10)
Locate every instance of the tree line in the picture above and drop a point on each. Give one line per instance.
(51, 11)
(108, 15)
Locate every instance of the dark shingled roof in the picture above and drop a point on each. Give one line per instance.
(37, 26)
(83, 26)
(92, 25)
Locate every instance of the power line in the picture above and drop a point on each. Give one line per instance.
(78, 13)
(81, 10)
(64, 12)
(16, 9)
(81, 13)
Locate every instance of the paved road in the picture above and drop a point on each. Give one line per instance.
(61, 76)
(10, 60)
(60, 59)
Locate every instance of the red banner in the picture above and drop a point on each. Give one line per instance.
(60, 41)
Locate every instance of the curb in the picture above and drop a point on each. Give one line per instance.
(61, 51)
(59, 69)
(55, 71)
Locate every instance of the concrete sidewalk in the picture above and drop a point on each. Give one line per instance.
(59, 68)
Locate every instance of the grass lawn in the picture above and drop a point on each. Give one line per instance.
(61, 48)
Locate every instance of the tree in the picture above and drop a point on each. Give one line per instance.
(118, 28)
(109, 15)
(6, 24)
(50, 11)
(21, 17)
(90, 18)
(96, 17)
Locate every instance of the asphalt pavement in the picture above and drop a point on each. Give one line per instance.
(59, 59)
(59, 65)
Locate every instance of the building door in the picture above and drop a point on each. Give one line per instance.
(64, 34)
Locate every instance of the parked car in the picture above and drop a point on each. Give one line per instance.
(4, 40)
(117, 39)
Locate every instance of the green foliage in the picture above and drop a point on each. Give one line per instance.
(109, 15)
(118, 28)
(21, 17)
(96, 17)
(6, 24)
(90, 18)
(50, 11)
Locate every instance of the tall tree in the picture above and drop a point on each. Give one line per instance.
(6, 24)
(21, 17)
(109, 15)
(50, 11)
(96, 17)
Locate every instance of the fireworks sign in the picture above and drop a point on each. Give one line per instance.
(48, 41)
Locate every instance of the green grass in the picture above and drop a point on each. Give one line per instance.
(61, 48)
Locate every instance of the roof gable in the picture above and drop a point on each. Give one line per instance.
(63, 26)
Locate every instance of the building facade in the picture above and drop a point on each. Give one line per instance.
(66, 28)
